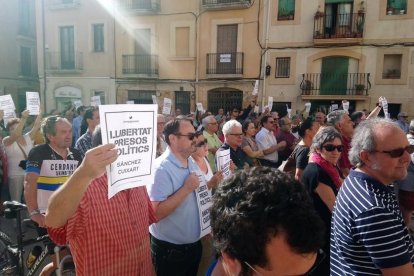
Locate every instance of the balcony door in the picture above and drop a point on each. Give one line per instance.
(226, 48)
(334, 76)
(67, 48)
(142, 51)
(338, 20)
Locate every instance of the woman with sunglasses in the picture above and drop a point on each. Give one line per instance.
(323, 178)
(200, 158)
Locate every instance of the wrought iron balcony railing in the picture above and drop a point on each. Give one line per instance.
(225, 63)
(218, 4)
(349, 25)
(140, 65)
(140, 5)
(64, 61)
(335, 84)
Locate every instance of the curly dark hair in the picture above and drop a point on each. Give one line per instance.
(254, 205)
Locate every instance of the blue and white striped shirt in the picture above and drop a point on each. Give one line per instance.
(368, 232)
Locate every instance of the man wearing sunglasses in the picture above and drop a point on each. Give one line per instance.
(175, 238)
(368, 235)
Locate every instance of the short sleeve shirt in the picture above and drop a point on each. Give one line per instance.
(368, 232)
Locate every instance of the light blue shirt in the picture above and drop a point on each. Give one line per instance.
(76, 123)
(182, 226)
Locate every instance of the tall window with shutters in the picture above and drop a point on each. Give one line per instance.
(98, 38)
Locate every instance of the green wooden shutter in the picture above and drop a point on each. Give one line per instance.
(334, 77)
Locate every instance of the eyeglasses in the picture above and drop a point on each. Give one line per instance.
(236, 134)
(321, 255)
(190, 136)
(202, 144)
(396, 153)
(331, 147)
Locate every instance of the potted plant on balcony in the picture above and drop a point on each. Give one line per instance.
(307, 87)
(359, 89)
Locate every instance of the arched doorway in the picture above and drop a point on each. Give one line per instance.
(224, 97)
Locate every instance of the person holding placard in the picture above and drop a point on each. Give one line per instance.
(175, 238)
(212, 180)
(17, 147)
(233, 138)
(107, 236)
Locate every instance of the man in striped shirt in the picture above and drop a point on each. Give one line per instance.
(368, 235)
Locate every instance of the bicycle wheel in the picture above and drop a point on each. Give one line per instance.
(7, 262)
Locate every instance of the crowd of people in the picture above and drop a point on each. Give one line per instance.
(309, 194)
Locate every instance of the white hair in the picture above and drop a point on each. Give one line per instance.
(228, 126)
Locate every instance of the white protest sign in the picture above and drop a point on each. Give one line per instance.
(33, 103)
(95, 100)
(270, 103)
(223, 162)
(334, 107)
(200, 107)
(204, 202)
(166, 109)
(133, 128)
(154, 99)
(256, 88)
(345, 105)
(256, 109)
(77, 103)
(307, 107)
(289, 111)
(130, 102)
(6, 103)
(384, 104)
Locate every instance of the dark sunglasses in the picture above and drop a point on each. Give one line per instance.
(396, 153)
(190, 136)
(202, 143)
(331, 147)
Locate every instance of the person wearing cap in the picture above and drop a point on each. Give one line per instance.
(402, 121)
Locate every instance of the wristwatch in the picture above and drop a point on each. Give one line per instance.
(35, 212)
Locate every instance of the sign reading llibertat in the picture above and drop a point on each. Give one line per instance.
(133, 129)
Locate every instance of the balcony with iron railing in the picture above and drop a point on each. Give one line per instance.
(225, 4)
(139, 6)
(62, 62)
(224, 65)
(329, 84)
(144, 66)
(339, 28)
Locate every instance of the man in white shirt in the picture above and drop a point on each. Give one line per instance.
(266, 140)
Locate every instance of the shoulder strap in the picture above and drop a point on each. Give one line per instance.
(20, 147)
